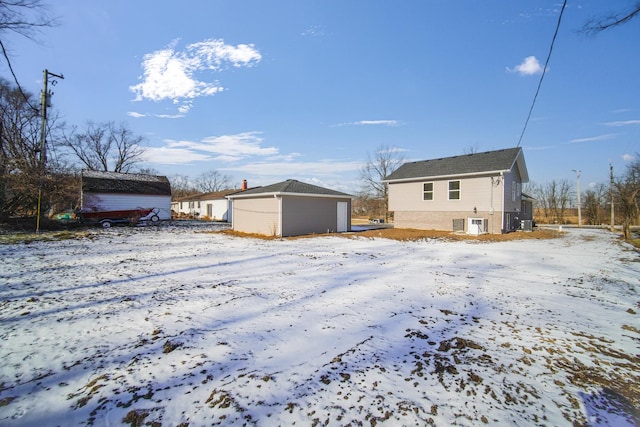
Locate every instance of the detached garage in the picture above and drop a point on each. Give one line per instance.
(290, 208)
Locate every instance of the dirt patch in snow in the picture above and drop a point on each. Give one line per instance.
(416, 235)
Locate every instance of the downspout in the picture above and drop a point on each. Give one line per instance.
(503, 190)
(493, 221)
(279, 230)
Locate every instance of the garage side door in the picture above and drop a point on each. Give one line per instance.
(343, 212)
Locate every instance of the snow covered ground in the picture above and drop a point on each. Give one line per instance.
(171, 326)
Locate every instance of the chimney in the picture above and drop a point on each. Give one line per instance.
(244, 184)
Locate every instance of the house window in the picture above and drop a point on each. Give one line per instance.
(427, 191)
(454, 190)
(513, 191)
(198, 204)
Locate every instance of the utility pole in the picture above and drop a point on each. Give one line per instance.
(45, 102)
(613, 218)
(577, 171)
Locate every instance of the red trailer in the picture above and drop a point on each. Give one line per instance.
(107, 218)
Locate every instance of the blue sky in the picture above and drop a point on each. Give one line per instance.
(266, 91)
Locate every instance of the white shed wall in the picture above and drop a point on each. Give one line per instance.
(117, 201)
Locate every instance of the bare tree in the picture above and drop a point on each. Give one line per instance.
(540, 203)
(471, 149)
(181, 186)
(561, 196)
(23, 17)
(384, 161)
(19, 138)
(211, 181)
(595, 201)
(22, 174)
(149, 171)
(552, 199)
(628, 197)
(106, 147)
(601, 24)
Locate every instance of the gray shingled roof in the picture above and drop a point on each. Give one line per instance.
(290, 186)
(206, 196)
(468, 164)
(131, 183)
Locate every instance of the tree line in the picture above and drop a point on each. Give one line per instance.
(27, 168)
(554, 199)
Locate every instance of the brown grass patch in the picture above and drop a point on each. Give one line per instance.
(408, 234)
(413, 235)
(247, 235)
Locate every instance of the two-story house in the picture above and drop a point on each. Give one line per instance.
(475, 193)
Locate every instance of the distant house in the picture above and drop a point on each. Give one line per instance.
(112, 191)
(476, 193)
(213, 206)
(290, 208)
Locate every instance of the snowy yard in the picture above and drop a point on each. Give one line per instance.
(171, 326)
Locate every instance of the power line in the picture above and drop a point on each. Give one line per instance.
(26, 98)
(544, 71)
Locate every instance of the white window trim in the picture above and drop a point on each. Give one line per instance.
(432, 191)
(459, 189)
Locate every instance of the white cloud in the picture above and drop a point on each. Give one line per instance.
(622, 123)
(170, 74)
(136, 115)
(527, 67)
(231, 147)
(628, 157)
(314, 31)
(247, 147)
(594, 138)
(377, 122)
(172, 156)
(393, 150)
(284, 157)
(168, 116)
(371, 123)
(285, 169)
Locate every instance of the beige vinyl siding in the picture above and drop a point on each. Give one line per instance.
(480, 197)
(304, 215)
(474, 192)
(257, 215)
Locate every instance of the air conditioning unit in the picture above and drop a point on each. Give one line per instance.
(526, 225)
